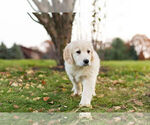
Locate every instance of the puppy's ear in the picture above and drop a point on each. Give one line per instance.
(92, 52)
(67, 55)
(92, 55)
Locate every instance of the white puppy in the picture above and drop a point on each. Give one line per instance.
(82, 66)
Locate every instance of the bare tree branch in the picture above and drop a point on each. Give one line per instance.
(48, 23)
(33, 18)
(68, 5)
(43, 6)
(31, 5)
(56, 6)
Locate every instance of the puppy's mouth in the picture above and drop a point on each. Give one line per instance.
(85, 64)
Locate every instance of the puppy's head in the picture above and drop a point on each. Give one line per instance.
(79, 53)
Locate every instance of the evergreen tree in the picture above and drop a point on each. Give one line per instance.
(3, 51)
(15, 52)
(132, 53)
(119, 51)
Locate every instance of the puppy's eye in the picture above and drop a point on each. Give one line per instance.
(78, 51)
(88, 51)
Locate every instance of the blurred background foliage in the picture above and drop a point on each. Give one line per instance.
(10, 53)
(118, 50)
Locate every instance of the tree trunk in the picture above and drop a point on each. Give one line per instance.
(59, 27)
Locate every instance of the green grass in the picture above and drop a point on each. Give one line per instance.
(122, 86)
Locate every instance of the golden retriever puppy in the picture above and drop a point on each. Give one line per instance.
(82, 66)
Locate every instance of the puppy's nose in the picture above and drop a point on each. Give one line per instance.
(86, 61)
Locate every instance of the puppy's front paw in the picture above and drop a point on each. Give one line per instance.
(85, 105)
(75, 94)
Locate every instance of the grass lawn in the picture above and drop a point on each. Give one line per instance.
(33, 86)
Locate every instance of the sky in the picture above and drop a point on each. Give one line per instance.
(124, 18)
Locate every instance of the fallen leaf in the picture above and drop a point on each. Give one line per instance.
(41, 110)
(134, 90)
(35, 111)
(131, 111)
(14, 84)
(52, 102)
(64, 89)
(30, 72)
(45, 98)
(10, 90)
(41, 75)
(139, 103)
(27, 98)
(30, 109)
(40, 86)
(36, 98)
(43, 82)
(100, 96)
(45, 93)
(53, 110)
(16, 106)
(117, 107)
(65, 106)
(148, 94)
(110, 110)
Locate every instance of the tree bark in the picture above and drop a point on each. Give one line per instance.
(57, 18)
(59, 27)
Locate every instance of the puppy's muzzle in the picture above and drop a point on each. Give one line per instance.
(86, 62)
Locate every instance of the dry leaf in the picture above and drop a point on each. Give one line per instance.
(117, 107)
(100, 96)
(14, 84)
(43, 82)
(45, 98)
(27, 98)
(52, 102)
(36, 98)
(131, 111)
(41, 75)
(16, 106)
(35, 111)
(45, 93)
(30, 72)
(51, 110)
(110, 110)
(134, 90)
(64, 89)
(30, 109)
(139, 103)
(40, 86)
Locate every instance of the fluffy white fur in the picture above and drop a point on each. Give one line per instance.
(82, 75)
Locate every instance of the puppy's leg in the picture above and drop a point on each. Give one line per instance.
(87, 93)
(77, 88)
(93, 86)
